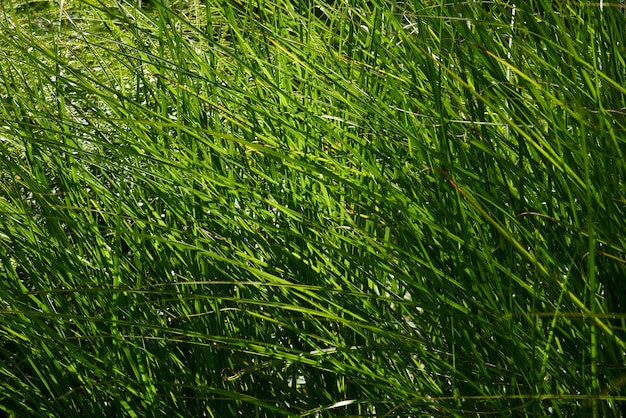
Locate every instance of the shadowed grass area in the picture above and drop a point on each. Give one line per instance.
(310, 209)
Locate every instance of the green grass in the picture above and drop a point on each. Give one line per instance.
(308, 209)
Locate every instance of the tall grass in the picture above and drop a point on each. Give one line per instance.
(309, 209)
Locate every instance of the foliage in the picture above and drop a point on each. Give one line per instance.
(273, 208)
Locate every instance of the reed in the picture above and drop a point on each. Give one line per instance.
(312, 209)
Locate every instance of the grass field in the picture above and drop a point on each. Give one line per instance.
(312, 209)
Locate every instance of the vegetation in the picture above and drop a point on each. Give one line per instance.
(308, 209)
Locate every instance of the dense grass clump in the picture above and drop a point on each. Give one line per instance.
(312, 209)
